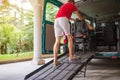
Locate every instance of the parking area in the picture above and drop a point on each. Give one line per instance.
(101, 69)
(98, 69)
(18, 71)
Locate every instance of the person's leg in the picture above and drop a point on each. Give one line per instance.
(70, 47)
(58, 33)
(64, 25)
(55, 50)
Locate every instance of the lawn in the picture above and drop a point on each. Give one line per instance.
(20, 57)
(17, 56)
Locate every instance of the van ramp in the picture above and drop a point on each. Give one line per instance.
(65, 71)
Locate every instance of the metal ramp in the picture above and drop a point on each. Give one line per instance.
(66, 71)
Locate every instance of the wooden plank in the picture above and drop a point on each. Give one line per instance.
(69, 76)
(71, 67)
(42, 71)
(63, 58)
(66, 58)
(46, 73)
(62, 67)
(52, 75)
(71, 73)
(61, 75)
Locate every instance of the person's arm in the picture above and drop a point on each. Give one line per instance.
(82, 18)
(90, 27)
(72, 19)
(78, 15)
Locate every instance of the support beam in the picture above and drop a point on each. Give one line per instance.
(38, 16)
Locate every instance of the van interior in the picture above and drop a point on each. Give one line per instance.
(104, 16)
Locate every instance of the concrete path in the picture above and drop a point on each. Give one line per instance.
(97, 70)
(101, 69)
(17, 71)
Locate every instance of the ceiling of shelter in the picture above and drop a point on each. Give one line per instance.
(98, 8)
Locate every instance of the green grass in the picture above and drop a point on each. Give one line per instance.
(9, 57)
(16, 57)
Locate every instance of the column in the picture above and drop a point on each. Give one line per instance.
(38, 16)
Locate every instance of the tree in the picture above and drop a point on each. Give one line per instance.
(51, 10)
(22, 35)
(6, 33)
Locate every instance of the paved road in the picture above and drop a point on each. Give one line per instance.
(100, 69)
(17, 71)
(96, 70)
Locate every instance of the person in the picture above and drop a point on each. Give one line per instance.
(90, 27)
(61, 25)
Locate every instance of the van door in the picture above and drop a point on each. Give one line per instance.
(50, 9)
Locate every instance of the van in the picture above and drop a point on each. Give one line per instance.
(103, 15)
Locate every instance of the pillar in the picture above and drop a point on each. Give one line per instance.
(38, 16)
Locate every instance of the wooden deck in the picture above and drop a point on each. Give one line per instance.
(66, 71)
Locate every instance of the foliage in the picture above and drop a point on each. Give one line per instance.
(16, 29)
(6, 32)
(51, 10)
(11, 57)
